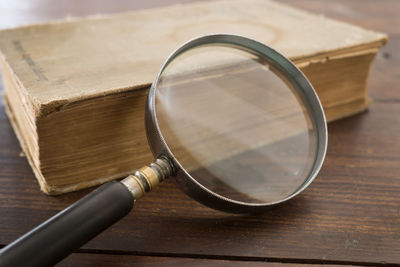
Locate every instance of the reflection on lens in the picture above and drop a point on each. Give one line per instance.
(235, 124)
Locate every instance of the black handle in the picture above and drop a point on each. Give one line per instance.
(59, 236)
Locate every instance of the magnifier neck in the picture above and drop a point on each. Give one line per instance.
(148, 177)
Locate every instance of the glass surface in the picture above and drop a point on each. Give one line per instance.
(235, 124)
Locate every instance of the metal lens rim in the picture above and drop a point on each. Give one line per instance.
(289, 70)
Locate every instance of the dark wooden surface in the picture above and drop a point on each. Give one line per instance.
(349, 215)
(85, 259)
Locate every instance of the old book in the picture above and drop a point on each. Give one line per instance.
(75, 90)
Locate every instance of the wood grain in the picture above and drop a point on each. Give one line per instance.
(369, 14)
(349, 215)
(85, 259)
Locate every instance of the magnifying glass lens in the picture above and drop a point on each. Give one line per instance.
(236, 124)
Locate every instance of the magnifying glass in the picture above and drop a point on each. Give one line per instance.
(236, 124)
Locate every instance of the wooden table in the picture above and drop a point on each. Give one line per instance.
(350, 215)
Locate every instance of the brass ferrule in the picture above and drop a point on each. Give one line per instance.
(147, 178)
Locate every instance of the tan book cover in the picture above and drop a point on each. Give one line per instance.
(75, 90)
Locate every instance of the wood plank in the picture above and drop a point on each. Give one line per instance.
(382, 16)
(384, 78)
(99, 260)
